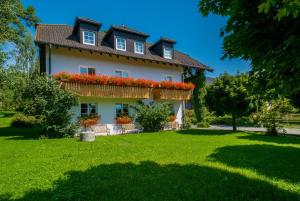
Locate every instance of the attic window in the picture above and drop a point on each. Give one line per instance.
(138, 47)
(88, 38)
(168, 53)
(120, 44)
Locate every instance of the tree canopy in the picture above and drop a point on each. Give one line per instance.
(265, 32)
(228, 95)
(13, 22)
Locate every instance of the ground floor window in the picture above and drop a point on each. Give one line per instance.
(88, 109)
(122, 109)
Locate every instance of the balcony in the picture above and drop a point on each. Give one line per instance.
(108, 91)
(117, 87)
(172, 94)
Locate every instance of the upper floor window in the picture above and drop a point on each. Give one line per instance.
(87, 70)
(168, 53)
(120, 44)
(122, 73)
(138, 47)
(168, 78)
(89, 38)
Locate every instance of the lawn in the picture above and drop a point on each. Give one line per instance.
(186, 165)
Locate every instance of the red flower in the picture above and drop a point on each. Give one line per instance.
(119, 81)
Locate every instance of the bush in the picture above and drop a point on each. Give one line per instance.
(24, 121)
(189, 118)
(152, 117)
(45, 98)
(203, 125)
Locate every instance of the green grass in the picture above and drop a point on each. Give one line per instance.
(186, 165)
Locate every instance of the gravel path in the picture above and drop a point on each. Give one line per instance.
(290, 131)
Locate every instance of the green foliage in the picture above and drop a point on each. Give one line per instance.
(152, 117)
(197, 77)
(203, 125)
(44, 98)
(12, 84)
(13, 22)
(189, 118)
(24, 121)
(228, 95)
(270, 114)
(227, 120)
(266, 33)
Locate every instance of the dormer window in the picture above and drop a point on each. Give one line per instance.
(168, 53)
(138, 47)
(89, 38)
(120, 44)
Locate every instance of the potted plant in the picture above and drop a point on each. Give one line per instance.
(86, 122)
(123, 120)
(171, 118)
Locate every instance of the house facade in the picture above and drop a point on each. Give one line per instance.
(119, 52)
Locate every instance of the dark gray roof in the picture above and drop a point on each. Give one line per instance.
(61, 35)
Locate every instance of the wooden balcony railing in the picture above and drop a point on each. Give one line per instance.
(108, 91)
(172, 94)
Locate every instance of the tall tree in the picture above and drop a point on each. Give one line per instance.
(14, 19)
(197, 77)
(229, 95)
(266, 32)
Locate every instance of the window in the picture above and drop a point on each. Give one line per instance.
(138, 47)
(122, 73)
(88, 109)
(121, 109)
(168, 78)
(168, 53)
(88, 38)
(120, 44)
(87, 70)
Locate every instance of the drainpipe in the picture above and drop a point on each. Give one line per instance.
(50, 47)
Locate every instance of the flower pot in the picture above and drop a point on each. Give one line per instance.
(88, 136)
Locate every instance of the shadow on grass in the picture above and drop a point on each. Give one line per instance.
(204, 132)
(272, 139)
(20, 133)
(269, 160)
(150, 181)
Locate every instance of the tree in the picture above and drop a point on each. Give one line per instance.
(197, 77)
(44, 99)
(13, 22)
(265, 32)
(228, 95)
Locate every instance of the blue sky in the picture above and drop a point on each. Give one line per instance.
(177, 19)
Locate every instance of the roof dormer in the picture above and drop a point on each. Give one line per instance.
(86, 30)
(164, 47)
(123, 38)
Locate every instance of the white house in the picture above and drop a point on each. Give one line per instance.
(120, 51)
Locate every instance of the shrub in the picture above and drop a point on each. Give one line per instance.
(270, 114)
(152, 117)
(189, 118)
(24, 121)
(203, 125)
(45, 98)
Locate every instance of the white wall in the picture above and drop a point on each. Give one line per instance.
(69, 61)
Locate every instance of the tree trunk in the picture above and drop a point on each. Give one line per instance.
(233, 122)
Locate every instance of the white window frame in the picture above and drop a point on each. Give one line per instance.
(171, 53)
(87, 67)
(124, 43)
(122, 71)
(165, 77)
(88, 43)
(135, 49)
